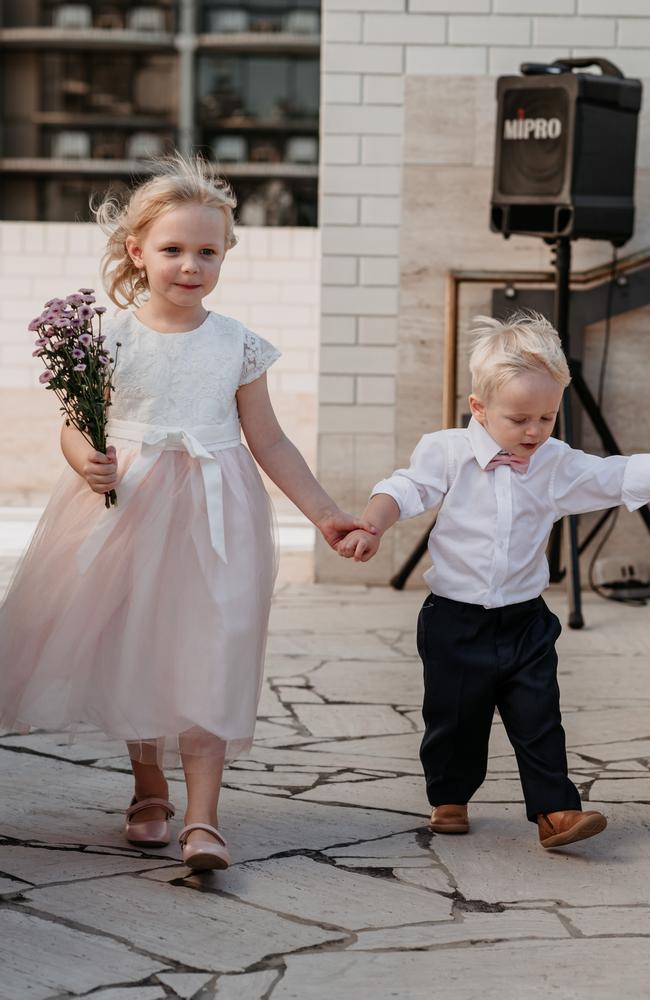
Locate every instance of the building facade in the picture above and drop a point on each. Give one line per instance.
(90, 90)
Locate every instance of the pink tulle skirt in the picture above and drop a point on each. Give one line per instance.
(160, 642)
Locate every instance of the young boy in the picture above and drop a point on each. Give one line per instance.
(485, 636)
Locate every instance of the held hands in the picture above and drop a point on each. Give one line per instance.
(359, 545)
(100, 471)
(337, 526)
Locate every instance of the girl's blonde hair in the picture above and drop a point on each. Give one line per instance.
(524, 342)
(176, 181)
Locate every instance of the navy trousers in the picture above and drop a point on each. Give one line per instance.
(476, 659)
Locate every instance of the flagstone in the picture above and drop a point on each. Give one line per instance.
(501, 861)
(42, 866)
(433, 879)
(337, 757)
(185, 984)
(623, 766)
(283, 779)
(616, 750)
(249, 986)
(216, 932)
(606, 725)
(396, 615)
(397, 847)
(607, 920)
(60, 959)
(406, 746)
(366, 646)
(264, 729)
(621, 789)
(270, 705)
(295, 668)
(351, 720)
(86, 746)
(294, 695)
(472, 927)
(383, 682)
(139, 993)
(10, 886)
(321, 892)
(527, 970)
(405, 794)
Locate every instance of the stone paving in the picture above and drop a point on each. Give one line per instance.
(338, 890)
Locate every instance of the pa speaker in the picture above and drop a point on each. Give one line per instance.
(565, 152)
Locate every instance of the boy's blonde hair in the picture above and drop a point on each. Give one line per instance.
(523, 342)
(176, 181)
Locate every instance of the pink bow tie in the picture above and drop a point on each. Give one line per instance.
(505, 458)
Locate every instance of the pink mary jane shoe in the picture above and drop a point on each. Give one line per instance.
(204, 854)
(151, 832)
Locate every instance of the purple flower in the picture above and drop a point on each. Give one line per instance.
(34, 325)
(75, 323)
(89, 298)
(86, 291)
(46, 376)
(79, 368)
(41, 342)
(99, 310)
(104, 359)
(85, 339)
(49, 302)
(85, 312)
(37, 353)
(101, 339)
(78, 354)
(75, 299)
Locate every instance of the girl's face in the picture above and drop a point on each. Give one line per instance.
(520, 415)
(182, 253)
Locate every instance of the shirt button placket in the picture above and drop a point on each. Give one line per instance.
(503, 487)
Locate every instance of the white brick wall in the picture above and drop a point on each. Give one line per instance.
(271, 281)
(369, 47)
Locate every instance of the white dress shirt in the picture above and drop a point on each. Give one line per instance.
(489, 540)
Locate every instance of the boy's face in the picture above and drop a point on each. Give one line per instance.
(521, 414)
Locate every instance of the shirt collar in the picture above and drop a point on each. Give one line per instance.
(483, 446)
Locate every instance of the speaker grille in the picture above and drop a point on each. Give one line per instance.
(533, 142)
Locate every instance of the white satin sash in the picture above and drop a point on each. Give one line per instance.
(199, 442)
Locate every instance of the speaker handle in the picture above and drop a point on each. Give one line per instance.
(607, 68)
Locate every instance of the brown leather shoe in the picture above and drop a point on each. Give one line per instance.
(449, 819)
(559, 828)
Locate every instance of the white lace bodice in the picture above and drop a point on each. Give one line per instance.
(182, 379)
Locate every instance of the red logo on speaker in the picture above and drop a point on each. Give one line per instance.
(521, 113)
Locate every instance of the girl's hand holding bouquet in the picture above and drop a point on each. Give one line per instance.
(79, 370)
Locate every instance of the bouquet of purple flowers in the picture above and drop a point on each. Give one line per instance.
(77, 366)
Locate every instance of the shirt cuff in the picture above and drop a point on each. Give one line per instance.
(404, 493)
(636, 482)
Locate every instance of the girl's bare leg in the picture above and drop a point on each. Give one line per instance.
(203, 762)
(149, 780)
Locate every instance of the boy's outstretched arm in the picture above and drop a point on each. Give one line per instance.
(382, 512)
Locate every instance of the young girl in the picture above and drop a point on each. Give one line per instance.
(485, 635)
(149, 619)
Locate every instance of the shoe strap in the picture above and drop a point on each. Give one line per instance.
(138, 806)
(185, 832)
